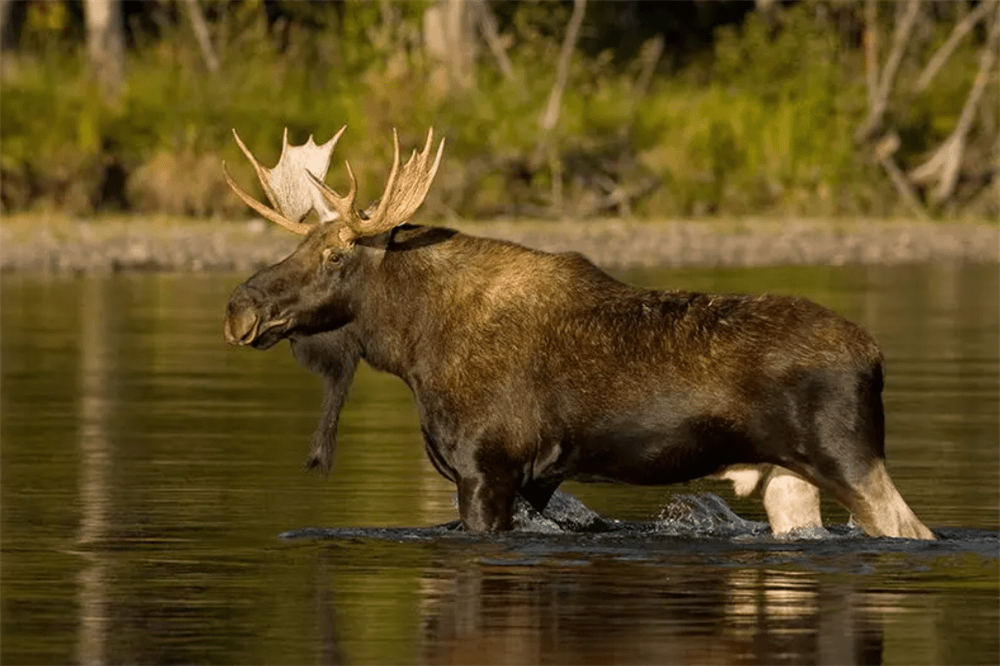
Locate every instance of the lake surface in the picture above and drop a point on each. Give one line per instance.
(148, 470)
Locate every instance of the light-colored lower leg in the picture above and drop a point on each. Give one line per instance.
(881, 510)
(791, 502)
(746, 478)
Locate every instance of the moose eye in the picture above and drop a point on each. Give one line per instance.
(331, 256)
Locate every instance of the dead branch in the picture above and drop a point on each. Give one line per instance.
(550, 116)
(201, 35)
(944, 163)
(650, 56)
(900, 39)
(871, 50)
(961, 29)
(488, 28)
(620, 197)
(883, 153)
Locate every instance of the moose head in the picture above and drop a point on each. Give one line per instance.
(313, 290)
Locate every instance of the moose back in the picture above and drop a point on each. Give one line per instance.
(530, 368)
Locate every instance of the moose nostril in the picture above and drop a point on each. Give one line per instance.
(240, 326)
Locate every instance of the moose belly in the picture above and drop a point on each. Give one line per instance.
(655, 453)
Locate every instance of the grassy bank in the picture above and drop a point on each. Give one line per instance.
(760, 123)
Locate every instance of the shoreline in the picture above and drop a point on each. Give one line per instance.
(41, 244)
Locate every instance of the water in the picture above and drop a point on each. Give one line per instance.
(148, 470)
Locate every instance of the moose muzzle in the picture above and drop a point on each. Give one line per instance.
(249, 322)
(242, 320)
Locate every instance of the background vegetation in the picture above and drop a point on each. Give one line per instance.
(650, 109)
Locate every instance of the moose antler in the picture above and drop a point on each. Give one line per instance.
(291, 195)
(404, 192)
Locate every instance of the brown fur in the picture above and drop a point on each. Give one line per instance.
(529, 368)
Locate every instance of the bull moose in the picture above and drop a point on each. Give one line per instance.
(530, 368)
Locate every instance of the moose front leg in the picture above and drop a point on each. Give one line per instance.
(324, 440)
(486, 503)
(335, 355)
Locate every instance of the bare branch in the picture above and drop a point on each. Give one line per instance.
(201, 35)
(650, 56)
(883, 153)
(900, 39)
(488, 26)
(961, 29)
(946, 160)
(550, 117)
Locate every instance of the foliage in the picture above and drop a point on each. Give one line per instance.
(760, 123)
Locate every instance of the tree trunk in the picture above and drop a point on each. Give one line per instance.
(450, 41)
(200, 29)
(11, 20)
(106, 44)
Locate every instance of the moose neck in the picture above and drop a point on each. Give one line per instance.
(431, 295)
(400, 303)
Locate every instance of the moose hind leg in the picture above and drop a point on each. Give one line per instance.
(791, 502)
(880, 509)
(848, 459)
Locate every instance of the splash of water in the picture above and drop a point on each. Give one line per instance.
(705, 514)
(564, 514)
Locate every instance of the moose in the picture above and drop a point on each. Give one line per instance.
(529, 368)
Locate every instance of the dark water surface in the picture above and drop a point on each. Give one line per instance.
(148, 470)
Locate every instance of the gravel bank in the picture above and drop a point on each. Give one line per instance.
(126, 244)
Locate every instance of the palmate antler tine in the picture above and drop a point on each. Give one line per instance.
(262, 171)
(291, 195)
(342, 205)
(413, 184)
(404, 192)
(268, 213)
(376, 224)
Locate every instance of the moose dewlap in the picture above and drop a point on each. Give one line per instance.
(530, 368)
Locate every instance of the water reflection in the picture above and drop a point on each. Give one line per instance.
(146, 470)
(94, 454)
(610, 612)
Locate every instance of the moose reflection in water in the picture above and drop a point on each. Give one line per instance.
(494, 615)
(616, 612)
(530, 368)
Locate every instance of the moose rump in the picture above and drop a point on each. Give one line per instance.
(530, 368)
